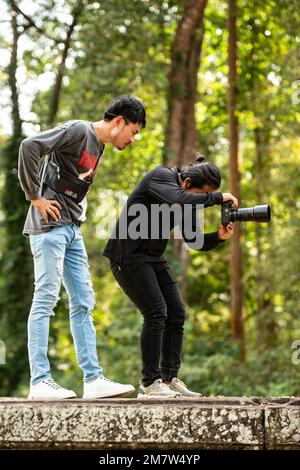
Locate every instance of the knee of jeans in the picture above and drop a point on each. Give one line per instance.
(177, 316)
(44, 304)
(82, 315)
(156, 314)
(85, 303)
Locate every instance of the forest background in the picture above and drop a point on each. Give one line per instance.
(216, 77)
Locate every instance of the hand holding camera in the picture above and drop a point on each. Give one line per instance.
(226, 231)
(228, 197)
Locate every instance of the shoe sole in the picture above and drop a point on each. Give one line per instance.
(191, 396)
(30, 397)
(115, 395)
(159, 397)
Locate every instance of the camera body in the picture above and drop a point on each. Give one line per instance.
(252, 214)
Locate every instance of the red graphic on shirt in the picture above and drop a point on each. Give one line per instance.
(87, 160)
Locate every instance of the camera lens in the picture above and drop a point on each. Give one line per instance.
(254, 214)
(261, 213)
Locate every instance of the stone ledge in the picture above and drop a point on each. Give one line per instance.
(205, 423)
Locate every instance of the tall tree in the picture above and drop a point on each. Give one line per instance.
(267, 96)
(16, 263)
(54, 98)
(236, 256)
(62, 46)
(181, 138)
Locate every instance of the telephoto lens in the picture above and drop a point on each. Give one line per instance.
(252, 214)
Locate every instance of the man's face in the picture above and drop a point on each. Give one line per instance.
(123, 133)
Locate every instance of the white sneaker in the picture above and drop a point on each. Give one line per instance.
(178, 386)
(104, 388)
(157, 390)
(49, 390)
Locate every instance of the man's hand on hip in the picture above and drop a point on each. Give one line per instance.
(46, 208)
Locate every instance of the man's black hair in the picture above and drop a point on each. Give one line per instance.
(202, 172)
(130, 108)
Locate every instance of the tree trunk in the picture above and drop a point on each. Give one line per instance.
(236, 257)
(54, 103)
(16, 263)
(181, 141)
(265, 320)
(181, 137)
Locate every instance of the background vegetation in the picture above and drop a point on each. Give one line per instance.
(66, 60)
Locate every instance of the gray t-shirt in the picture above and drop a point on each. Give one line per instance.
(74, 147)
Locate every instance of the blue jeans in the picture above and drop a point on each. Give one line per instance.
(60, 256)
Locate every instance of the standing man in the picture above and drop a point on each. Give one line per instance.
(57, 191)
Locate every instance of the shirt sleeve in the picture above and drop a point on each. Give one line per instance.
(193, 235)
(165, 188)
(30, 152)
(211, 240)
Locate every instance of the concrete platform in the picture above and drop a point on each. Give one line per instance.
(205, 423)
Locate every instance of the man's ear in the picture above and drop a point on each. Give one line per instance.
(118, 120)
(188, 183)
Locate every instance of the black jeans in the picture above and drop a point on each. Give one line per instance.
(154, 290)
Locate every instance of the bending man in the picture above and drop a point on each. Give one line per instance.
(139, 267)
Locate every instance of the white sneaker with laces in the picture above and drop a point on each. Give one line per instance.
(49, 390)
(104, 388)
(156, 390)
(178, 386)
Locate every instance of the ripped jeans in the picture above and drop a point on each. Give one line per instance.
(60, 256)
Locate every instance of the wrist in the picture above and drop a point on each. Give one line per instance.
(36, 202)
(220, 239)
(32, 195)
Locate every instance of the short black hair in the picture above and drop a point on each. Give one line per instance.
(129, 107)
(202, 172)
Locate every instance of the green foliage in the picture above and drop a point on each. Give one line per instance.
(124, 47)
(16, 273)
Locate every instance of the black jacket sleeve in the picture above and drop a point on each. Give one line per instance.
(164, 187)
(211, 240)
(202, 241)
(191, 227)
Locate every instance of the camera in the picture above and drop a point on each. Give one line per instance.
(253, 214)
